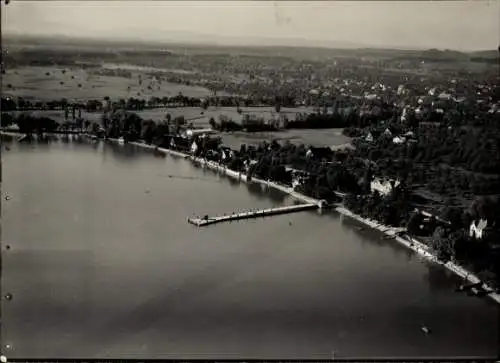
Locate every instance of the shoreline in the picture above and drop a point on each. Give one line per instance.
(412, 244)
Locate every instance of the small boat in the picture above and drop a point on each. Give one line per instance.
(426, 330)
(121, 141)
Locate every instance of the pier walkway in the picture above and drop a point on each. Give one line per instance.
(201, 222)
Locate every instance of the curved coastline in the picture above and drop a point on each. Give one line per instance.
(414, 245)
(411, 243)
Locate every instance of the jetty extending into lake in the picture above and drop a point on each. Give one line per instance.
(205, 221)
(393, 233)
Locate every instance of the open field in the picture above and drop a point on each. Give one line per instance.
(324, 137)
(34, 83)
(201, 117)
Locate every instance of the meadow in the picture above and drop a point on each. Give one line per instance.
(53, 83)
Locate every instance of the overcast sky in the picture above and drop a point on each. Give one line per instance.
(464, 25)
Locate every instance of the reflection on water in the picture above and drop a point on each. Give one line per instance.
(104, 264)
(441, 279)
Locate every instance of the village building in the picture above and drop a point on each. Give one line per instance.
(248, 163)
(384, 187)
(399, 140)
(198, 132)
(477, 230)
(194, 147)
(298, 178)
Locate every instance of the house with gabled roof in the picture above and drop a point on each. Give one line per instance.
(477, 230)
(384, 187)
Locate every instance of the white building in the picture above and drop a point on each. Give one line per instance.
(399, 140)
(198, 132)
(12, 127)
(444, 96)
(227, 154)
(477, 230)
(384, 187)
(248, 164)
(296, 183)
(404, 114)
(194, 147)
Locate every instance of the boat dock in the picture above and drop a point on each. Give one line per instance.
(467, 287)
(475, 289)
(205, 221)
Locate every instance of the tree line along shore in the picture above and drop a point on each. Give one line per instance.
(438, 178)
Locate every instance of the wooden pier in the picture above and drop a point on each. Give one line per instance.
(205, 221)
(467, 287)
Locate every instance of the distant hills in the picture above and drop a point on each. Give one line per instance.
(269, 44)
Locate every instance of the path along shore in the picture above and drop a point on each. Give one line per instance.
(416, 246)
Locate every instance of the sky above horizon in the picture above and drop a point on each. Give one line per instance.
(461, 25)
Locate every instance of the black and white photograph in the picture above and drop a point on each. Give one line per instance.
(241, 180)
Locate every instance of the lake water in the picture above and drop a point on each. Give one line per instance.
(102, 263)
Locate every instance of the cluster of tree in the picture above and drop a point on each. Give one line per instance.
(277, 163)
(456, 163)
(467, 113)
(326, 173)
(228, 125)
(130, 126)
(392, 210)
(259, 127)
(470, 149)
(224, 124)
(122, 124)
(318, 121)
(450, 181)
(112, 72)
(47, 56)
(29, 124)
(22, 104)
(453, 241)
(352, 131)
(7, 119)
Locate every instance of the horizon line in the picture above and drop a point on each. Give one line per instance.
(275, 41)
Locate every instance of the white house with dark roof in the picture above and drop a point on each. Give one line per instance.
(384, 187)
(477, 230)
(194, 147)
(399, 140)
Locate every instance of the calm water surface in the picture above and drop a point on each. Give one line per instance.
(103, 264)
